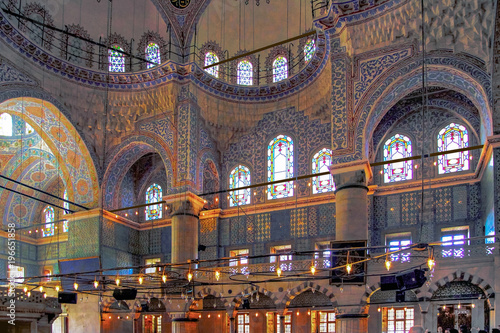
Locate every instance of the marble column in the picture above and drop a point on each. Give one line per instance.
(185, 209)
(351, 200)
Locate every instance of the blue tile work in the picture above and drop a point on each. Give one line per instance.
(444, 207)
(163, 128)
(208, 232)
(297, 226)
(340, 65)
(166, 241)
(251, 149)
(187, 142)
(83, 238)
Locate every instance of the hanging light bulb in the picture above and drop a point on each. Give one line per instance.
(378, 309)
(28, 294)
(164, 277)
(141, 279)
(190, 276)
(313, 269)
(444, 307)
(25, 290)
(388, 263)
(279, 271)
(41, 289)
(431, 262)
(459, 306)
(75, 286)
(117, 281)
(348, 266)
(96, 283)
(217, 275)
(58, 288)
(44, 295)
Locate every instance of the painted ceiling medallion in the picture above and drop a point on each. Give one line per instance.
(181, 4)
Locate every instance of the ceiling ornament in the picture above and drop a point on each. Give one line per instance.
(257, 2)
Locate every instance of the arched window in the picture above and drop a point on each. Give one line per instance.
(453, 136)
(280, 69)
(154, 194)
(239, 177)
(212, 58)
(153, 55)
(399, 146)
(320, 163)
(309, 50)
(28, 129)
(245, 73)
(116, 59)
(5, 124)
(280, 166)
(65, 206)
(48, 215)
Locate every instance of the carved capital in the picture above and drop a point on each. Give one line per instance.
(186, 203)
(352, 174)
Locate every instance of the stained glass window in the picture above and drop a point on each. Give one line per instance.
(153, 55)
(211, 58)
(320, 163)
(154, 194)
(399, 146)
(280, 69)
(453, 136)
(5, 124)
(245, 73)
(309, 50)
(239, 177)
(28, 129)
(280, 166)
(116, 59)
(48, 229)
(65, 206)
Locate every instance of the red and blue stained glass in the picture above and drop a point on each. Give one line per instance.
(245, 73)
(116, 60)
(280, 69)
(239, 177)
(453, 136)
(280, 166)
(154, 194)
(309, 50)
(48, 228)
(320, 163)
(399, 146)
(211, 58)
(65, 211)
(153, 55)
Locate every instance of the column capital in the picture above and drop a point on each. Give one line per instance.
(351, 174)
(186, 203)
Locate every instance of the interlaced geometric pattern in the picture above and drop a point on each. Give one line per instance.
(453, 136)
(211, 58)
(48, 229)
(280, 69)
(154, 194)
(280, 166)
(320, 163)
(153, 55)
(398, 244)
(245, 73)
(309, 50)
(5, 124)
(454, 240)
(239, 177)
(116, 60)
(399, 146)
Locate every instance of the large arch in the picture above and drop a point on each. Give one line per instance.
(125, 155)
(453, 73)
(312, 286)
(59, 144)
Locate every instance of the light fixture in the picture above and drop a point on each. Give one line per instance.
(141, 279)
(431, 262)
(473, 305)
(25, 290)
(313, 269)
(117, 281)
(217, 275)
(41, 289)
(279, 271)
(208, 316)
(190, 276)
(218, 316)
(44, 295)
(444, 307)
(388, 263)
(164, 277)
(58, 288)
(348, 266)
(459, 305)
(28, 293)
(75, 286)
(96, 283)
(378, 309)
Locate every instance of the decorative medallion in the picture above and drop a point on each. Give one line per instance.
(181, 4)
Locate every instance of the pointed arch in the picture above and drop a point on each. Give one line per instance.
(453, 136)
(280, 165)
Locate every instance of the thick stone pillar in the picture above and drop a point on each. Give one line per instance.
(351, 181)
(185, 208)
(351, 323)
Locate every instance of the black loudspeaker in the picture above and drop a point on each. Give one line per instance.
(69, 298)
(400, 296)
(411, 280)
(124, 294)
(388, 282)
(246, 304)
